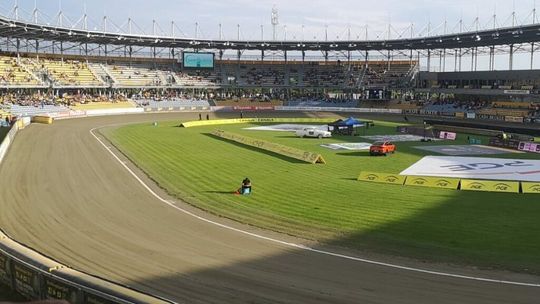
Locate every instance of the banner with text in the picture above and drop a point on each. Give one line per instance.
(476, 168)
(384, 178)
(529, 147)
(489, 186)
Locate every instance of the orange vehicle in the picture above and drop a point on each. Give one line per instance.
(382, 148)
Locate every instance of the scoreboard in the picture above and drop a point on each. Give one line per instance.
(192, 60)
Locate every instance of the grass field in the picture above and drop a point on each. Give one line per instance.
(326, 203)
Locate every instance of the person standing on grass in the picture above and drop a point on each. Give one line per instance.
(200, 116)
(207, 117)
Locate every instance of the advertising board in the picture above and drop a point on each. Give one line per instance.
(489, 186)
(26, 281)
(476, 168)
(532, 188)
(432, 182)
(447, 135)
(501, 143)
(529, 147)
(384, 178)
(60, 291)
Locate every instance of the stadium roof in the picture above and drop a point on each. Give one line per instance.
(485, 38)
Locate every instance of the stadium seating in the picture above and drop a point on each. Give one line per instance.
(136, 75)
(13, 73)
(384, 74)
(69, 72)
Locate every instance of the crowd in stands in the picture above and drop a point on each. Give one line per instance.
(40, 99)
(455, 105)
(123, 73)
(13, 73)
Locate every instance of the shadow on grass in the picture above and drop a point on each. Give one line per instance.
(254, 149)
(221, 192)
(355, 154)
(349, 179)
(462, 230)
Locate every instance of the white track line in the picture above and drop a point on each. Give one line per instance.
(302, 247)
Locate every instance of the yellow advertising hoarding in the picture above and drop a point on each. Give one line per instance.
(385, 178)
(433, 182)
(489, 186)
(215, 122)
(530, 187)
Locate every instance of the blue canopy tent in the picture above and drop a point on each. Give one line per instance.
(349, 126)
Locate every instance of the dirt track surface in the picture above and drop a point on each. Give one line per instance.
(65, 195)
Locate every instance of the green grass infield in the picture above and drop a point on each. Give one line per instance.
(327, 203)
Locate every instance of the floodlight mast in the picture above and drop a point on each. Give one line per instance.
(275, 22)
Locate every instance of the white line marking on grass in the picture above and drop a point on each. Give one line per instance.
(303, 247)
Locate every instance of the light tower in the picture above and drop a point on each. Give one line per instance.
(275, 22)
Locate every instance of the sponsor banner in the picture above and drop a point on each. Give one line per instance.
(294, 153)
(348, 146)
(252, 108)
(501, 143)
(513, 119)
(433, 182)
(489, 186)
(476, 168)
(57, 290)
(395, 138)
(471, 115)
(42, 119)
(529, 147)
(465, 150)
(517, 92)
(199, 123)
(384, 178)
(337, 109)
(221, 109)
(288, 128)
(26, 281)
(447, 135)
(532, 188)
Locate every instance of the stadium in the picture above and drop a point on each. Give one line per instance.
(157, 167)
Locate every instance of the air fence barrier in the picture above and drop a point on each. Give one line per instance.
(37, 277)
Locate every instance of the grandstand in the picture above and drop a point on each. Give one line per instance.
(53, 77)
(14, 74)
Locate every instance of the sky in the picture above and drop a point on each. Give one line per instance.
(298, 19)
(315, 16)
